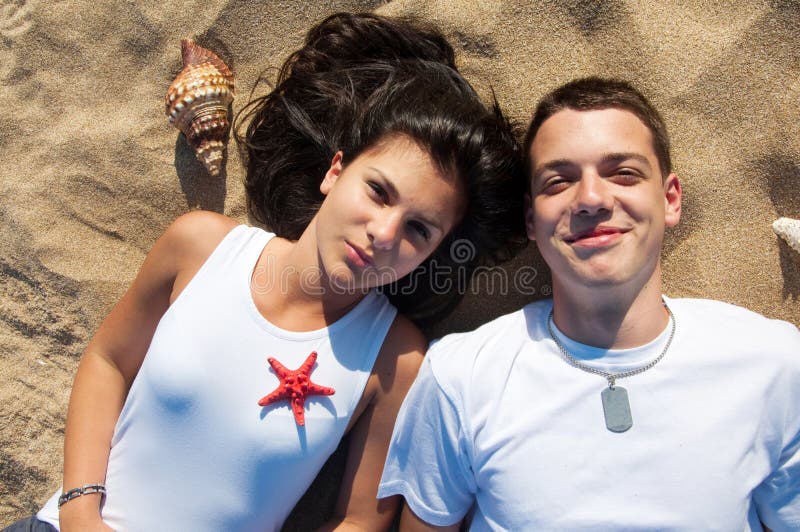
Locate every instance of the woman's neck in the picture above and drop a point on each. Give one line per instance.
(290, 289)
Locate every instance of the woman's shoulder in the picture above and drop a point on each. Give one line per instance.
(185, 245)
(194, 236)
(199, 228)
(401, 353)
(404, 337)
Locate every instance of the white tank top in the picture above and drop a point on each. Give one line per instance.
(192, 449)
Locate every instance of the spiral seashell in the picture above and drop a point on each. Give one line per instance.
(789, 230)
(197, 103)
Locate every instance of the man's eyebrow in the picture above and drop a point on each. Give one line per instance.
(392, 191)
(615, 158)
(610, 158)
(552, 165)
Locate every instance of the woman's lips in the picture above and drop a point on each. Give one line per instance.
(357, 256)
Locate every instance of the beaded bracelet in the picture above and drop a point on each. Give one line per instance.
(74, 493)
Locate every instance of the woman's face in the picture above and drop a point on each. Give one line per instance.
(384, 213)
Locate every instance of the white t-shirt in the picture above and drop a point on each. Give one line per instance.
(498, 425)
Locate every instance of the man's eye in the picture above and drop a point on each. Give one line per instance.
(626, 176)
(420, 229)
(555, 185)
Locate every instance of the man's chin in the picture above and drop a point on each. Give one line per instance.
(596, 277)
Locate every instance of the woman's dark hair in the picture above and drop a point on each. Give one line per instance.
(358, 80)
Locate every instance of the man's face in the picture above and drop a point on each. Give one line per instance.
(599, 204)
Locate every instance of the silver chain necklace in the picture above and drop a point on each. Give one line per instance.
(616, 406)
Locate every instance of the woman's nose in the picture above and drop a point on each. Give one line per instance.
(384, 229)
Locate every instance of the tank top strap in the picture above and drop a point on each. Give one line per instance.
(232, 262)
(239, 250)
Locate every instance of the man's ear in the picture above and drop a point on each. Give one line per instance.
(672, 200)
(332, 174)
(529, 224)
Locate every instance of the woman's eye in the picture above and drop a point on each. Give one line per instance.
(421, 230)
(377, 191)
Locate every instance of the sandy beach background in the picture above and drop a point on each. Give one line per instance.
(91, 172)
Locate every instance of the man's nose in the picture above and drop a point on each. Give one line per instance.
(592, 195)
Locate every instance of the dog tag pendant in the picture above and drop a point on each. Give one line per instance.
(617, 409)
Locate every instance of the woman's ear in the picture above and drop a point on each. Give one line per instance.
(332, 174)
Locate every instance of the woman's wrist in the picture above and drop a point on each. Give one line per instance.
(83, 509)
(86, 489)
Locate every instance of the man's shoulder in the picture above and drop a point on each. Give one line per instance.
(714, 312)
(514, 324)
(460, 356)
(726, 323)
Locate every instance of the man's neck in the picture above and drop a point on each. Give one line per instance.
(611, 317)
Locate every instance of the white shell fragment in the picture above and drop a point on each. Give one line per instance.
(789, 230)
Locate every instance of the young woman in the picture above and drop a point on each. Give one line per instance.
(217, 387)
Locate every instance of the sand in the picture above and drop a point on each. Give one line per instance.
(92, 172)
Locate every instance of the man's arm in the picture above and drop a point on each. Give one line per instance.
(429, 460)
(777, 498)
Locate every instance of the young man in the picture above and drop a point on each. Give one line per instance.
(611, 406)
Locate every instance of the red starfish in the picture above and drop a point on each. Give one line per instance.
(295, 386)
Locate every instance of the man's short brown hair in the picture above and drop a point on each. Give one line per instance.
(594, 93)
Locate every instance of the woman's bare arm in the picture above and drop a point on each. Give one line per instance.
(114, 355)
(394, 372)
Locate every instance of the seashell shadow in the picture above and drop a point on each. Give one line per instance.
(201, 189)
(790, 267)
(211, 39)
